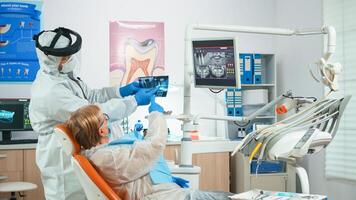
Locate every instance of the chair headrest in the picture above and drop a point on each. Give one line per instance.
(66, 138)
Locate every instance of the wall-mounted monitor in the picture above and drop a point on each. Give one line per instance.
(216, 63)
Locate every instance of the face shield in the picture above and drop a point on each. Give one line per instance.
(56, 44)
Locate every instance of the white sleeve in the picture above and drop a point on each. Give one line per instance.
(100, 95)
(67, 102)
(117, 109)
(127, 164)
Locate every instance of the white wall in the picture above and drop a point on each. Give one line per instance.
(292, 63)
(91, 19)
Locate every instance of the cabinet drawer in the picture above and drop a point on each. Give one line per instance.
(172, 152)
(11, 161)
(11, 176)
(269, 182)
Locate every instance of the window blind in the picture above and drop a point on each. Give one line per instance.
(340, 160)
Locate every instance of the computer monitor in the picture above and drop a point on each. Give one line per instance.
(216, 63)
(14, 116)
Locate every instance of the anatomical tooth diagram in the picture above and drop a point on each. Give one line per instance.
(140, 58)
(137, 49)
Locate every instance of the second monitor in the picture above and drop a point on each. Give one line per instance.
(216, 63)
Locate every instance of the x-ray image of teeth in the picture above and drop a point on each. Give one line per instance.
(202, 71)
(212, 64)
(218, 71)
(6, 116)
(218, 65)
(218, 59)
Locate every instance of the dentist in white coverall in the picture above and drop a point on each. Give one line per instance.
(55, 94)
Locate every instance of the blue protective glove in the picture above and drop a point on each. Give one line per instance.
(181, 182)
(143, 96)
(129, 89)
(155, 106)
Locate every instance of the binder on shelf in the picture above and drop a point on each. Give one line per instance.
(233, 102)
(247, 67)
(229, 96)
(257, 68)
(238, 102)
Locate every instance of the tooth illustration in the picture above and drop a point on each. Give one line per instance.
(3, 43)
(26, 71)
(140, 59)
(4, 28)
(6, 116)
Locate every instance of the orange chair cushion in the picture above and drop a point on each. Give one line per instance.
(96, 178)
(71, 137)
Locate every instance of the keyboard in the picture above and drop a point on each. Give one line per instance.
(24, 141)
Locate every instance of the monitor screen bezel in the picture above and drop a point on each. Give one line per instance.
(235, 41)
(20, 100)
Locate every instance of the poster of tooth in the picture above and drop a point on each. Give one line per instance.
(136, 49)
(19, 21)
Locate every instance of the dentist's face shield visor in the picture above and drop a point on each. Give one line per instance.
(72, 48)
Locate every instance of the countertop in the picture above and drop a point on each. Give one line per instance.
(204, 145)
(18, 146)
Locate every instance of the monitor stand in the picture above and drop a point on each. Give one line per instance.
(6, 136)
(6, 139)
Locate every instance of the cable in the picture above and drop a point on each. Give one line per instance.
(211, 90)
(300, 97)
(242, 125)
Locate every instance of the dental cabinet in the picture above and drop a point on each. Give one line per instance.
(213, 157)
(243, 179)
(18, 163)
(219, 171)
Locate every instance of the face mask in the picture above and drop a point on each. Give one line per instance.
(70, 65)
(109, 129)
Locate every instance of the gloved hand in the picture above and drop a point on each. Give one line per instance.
(181, 182)
(129, 89)
(143, 96)
(155, 106)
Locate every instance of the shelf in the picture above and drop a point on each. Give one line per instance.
(266, 117)
(257, 85)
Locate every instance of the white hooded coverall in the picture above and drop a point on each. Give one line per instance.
(126, 167)
(53, 97)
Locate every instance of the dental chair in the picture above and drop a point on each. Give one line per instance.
(303, 133)
(95, 187)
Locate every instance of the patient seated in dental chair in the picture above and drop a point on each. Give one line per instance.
(134, 168)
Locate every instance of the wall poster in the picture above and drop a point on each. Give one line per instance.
(136, 49)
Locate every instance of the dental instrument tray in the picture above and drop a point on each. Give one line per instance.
(258, 194)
